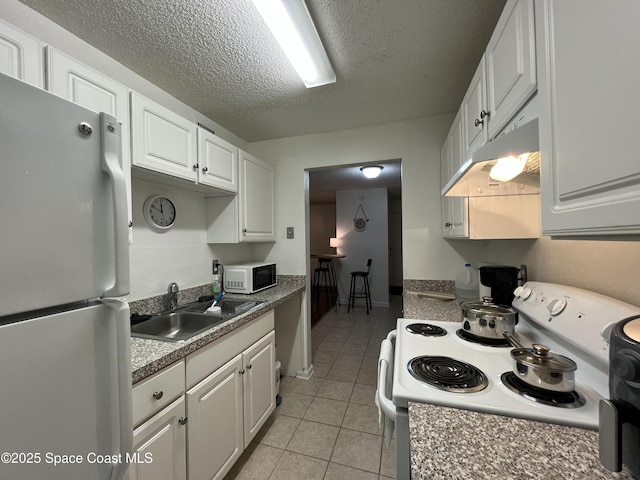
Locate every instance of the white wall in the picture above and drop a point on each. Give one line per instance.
(416, 142)
(360, 246)
(180, 254)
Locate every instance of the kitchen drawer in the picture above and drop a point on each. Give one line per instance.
(210, 358)
(157, 391)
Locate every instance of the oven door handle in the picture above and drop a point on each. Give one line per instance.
(385, 370)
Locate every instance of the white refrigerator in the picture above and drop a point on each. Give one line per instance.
(65, 367)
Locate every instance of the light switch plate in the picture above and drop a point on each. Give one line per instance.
(289, 232)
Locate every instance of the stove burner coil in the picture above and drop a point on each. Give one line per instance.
(448, 374)
(541, 395)
(487, 342)
(426, 330)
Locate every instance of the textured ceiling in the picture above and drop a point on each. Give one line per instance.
(394, 59)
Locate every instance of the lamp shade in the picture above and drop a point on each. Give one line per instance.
(333, 242)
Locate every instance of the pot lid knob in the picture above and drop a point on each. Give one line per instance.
(487, 300)
(540, 350)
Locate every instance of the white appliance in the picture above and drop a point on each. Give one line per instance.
(65, 400)
(249, 277)
(575, 323)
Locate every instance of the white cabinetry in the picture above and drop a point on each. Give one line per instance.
(505, 78)
(163, 141)
(588, 94)
(70, 79)
(249, 216)
(20, 55)
(217, 161)
(228, 406)
(159, 445)
(454, 209)
(159, 439)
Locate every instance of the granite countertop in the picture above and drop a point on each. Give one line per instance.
(150, 356)
(450, 443)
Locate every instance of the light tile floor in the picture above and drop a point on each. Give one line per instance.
(327, 427)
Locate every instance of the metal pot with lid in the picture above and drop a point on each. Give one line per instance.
(487, 319)
(539, 367)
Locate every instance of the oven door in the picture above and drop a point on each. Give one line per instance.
(390, 416)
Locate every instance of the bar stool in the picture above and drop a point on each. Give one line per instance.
(324, 282)
(366, 294)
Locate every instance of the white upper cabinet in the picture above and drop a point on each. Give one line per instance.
(70, 79)
(474, 107)
(257, 200)
(162, 141)
(20, 55)
(454, 209)
(589, 75)
(504, 79)
(511, 64)
(217, 161)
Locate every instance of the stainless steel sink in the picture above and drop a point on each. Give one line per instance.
(175, 326)
(189, 320)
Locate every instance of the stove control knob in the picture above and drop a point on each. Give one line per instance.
(518, 292)
(626, 366)
(526, 293)
(556, 306)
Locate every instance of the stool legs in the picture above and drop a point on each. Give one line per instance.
(353, 295)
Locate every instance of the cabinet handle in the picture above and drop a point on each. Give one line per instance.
(195, 166)
(242, 372)
(249, 367)
(158, 395)
(182, 420)
(484, 113)
(244, 230)
(448, 224)
(478, 122)
(205, 169)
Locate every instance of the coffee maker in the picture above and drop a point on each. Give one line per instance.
(498, 282)
(620, 416)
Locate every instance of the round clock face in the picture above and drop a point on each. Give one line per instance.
(160, 212)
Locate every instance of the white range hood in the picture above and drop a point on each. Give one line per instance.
(520, 136)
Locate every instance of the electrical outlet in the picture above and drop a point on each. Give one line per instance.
(289, 232)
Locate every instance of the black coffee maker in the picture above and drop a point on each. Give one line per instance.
(620, 416)
(498, 282)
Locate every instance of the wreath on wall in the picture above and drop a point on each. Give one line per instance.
(360, 223)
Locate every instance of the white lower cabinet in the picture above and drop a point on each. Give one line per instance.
(159, 436)
(228, 406)
(159, 445)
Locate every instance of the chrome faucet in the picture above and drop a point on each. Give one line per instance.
(173, 295)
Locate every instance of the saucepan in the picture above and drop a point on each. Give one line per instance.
(488, 320)
(539, 367)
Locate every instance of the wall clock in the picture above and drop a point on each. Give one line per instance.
(159, 212)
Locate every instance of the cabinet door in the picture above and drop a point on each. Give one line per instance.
(215, 433)
(161, 140)
(160, 445)
(511, 64)
(20, 55)
(84, 86)
(454, 209)
(473, 104)
(257, 200)
(218, 162)
(588, 91)
(259, 385)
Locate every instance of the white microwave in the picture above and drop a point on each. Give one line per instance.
(249, 278)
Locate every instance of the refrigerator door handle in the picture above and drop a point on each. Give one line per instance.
(110, 157)
(124, 387)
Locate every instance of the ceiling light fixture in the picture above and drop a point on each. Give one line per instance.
(293, 28)
(371, 172)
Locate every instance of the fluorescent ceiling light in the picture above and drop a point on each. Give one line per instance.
(371, 172)
(507, 168)
(291, 25)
